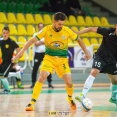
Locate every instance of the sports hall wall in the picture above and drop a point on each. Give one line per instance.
(110, 4)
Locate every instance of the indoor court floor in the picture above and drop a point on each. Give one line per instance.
(52, 103)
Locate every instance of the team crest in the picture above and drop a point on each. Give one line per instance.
(6, 46)
(63, 37)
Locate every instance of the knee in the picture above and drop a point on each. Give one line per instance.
(114, 81)
(41, 78)
(94, 72)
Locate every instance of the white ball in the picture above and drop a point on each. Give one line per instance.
(86, 104)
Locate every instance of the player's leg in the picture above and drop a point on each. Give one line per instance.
(37, 90)
(113, 88)
(112, 74)
(6, 85)
(70, 89)
(4, 81)
(45, 70)
(97, 66)
(37, 61)
(64, 72)
(88, 84)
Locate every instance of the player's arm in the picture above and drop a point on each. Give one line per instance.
(38, 43)
(18, 50)
(82, 45)
(86, 30)
(26, 46)
(75, 37)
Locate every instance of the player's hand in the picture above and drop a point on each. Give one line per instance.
(87, 56)
(17, 57)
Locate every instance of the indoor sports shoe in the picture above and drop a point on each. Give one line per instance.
(50, 86)
(5, 91)
(20, 86)
(29, 107)
(80, 97)
(113, 101)
(72, 104)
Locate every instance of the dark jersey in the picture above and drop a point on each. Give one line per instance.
(7, 48)
(108, 48)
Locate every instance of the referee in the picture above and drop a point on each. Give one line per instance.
(39, 50)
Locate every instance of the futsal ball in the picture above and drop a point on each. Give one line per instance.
(86, 104)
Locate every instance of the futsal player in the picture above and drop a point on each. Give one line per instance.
(105, 60)
(56, 42)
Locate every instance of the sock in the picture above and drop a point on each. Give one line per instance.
(88, 84)
(70, 92)
(36, 91)
(113, 89)
(18, 81)
(5, 83)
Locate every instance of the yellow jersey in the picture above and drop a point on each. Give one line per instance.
(56, 43)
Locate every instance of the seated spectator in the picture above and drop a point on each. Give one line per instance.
(75, 7)
(59, 6)
(17, 68)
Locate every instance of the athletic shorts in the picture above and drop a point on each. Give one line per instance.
(55, 63)
(3, 68)
(104, 67)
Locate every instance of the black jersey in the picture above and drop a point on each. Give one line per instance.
(108, 48)
(7, 48)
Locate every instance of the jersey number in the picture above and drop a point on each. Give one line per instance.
(97, 64)
(64, 66)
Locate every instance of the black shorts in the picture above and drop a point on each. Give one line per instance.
(3, 67)
(104, 67)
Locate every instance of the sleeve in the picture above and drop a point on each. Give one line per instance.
(41, 33)
(15, 45)
(73, 35)
(103, 31)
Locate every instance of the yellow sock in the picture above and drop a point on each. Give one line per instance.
(70, 92)
(18, 82)
(36, 91)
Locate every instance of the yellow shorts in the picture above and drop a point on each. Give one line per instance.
(55, 63)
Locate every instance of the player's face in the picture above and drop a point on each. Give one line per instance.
(58, 25)
(5, 34)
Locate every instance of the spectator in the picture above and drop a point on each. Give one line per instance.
(59, 6)
(75, 7)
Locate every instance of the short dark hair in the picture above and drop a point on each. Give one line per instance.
(6, 28)
(60, 16)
